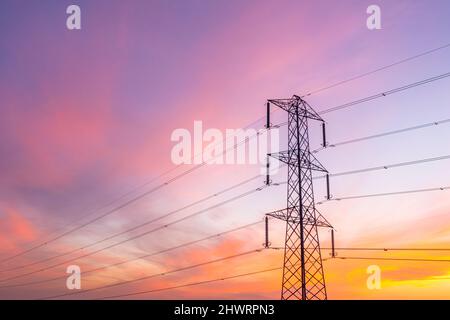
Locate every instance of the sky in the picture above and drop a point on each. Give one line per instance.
(86, 118)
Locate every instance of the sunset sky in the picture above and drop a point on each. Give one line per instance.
(86, 118)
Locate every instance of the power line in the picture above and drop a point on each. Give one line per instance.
(214, 236)
(255, 273)
(195, 283)
(390, 166)
(393, 259)
(238, 255)
(379, 95)
(140, 225)
(127, 203)
(230, 277)
(384, 134)
(384, 167)
(377, 168)
(372, 195)
(191, 284)
(117, 208)
(142, 186)
(386, 249)
(377, 70)
(131, 238)
(385, 93)
(384, 193)
(205, 282)
(188, 171)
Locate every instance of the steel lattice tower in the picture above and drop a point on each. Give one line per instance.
(303, 275)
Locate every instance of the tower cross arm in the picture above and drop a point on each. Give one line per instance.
(284, 215)
(297, 103)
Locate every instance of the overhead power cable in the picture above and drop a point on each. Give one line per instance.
(379, 95)
(193, 266)
(128, 202)
(200, 165)
(377, 168)
(38, 246)
(189, 284)
(140, 225)
(390, 166)
(393, 259)
(130, 238)
(385, 249)
(145, 256)
(377, 70)
(386, 93)
(209, 281)
(384, 134)
(194, 283)
(384, 167)
(383, 194)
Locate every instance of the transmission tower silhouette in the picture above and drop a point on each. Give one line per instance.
(303, 275)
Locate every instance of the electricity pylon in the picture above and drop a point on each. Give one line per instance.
(303, 275)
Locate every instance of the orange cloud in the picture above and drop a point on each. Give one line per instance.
(15, 229)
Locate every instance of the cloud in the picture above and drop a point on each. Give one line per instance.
(15, 229)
